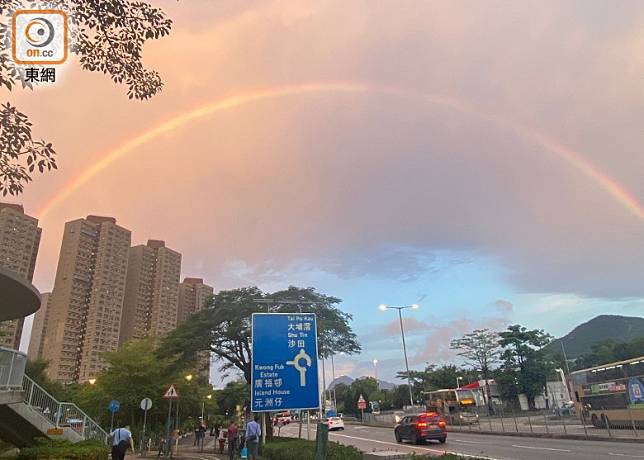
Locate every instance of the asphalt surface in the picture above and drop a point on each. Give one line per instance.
(369, 439)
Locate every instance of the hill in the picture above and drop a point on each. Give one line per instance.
(599, 329)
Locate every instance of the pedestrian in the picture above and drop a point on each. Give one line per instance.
(232, 440)
(221, 438)
(121, 440)
(253, 433)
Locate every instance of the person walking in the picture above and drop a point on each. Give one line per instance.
(232, 440)
(121, 440)
(253, 434)
(221, 438)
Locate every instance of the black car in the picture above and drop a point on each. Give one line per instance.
(420, 428)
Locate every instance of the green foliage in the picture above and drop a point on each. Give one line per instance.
(610, 351)
(300, 449)
(224, 327)
(108, 37)
(525, 367)
(137, 371)
(235, 394)
(60, 449)
(603, 328)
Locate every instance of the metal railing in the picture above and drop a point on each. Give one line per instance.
(12, 369)
(60, 414)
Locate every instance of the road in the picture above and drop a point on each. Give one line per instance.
(369, 438)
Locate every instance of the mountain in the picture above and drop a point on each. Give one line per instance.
(346, 380)
(599, 329)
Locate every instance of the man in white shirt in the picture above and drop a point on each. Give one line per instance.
(121, 440)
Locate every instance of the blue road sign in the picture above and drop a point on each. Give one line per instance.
(284, 362)
(114, 406)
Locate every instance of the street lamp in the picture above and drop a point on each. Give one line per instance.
(414, 306)
(203, 406)
(91, 381)
(458, 382)
(176, 421)
(375, 372)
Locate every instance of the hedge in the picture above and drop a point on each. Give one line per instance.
(65, 450)
(300, 449)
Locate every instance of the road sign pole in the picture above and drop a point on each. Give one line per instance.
(167, 436)
(145, 419)
(112, 423)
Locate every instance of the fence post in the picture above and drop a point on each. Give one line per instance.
(561, 417)
(489, 419)
(630, 415)
(607, 424)
(502, 424)
(31, 393)
(516, 426)
(530, 422)
(545, 419)
(583, 422)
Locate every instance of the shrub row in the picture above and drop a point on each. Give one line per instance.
(65, 450)
(300, 449)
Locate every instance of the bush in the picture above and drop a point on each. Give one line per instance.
(300, 449)
(59, 449)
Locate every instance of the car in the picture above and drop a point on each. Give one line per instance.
(334, 423)
(420, 428)
(282, 418)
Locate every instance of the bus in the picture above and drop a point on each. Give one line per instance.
(456, 406)
(611, 395)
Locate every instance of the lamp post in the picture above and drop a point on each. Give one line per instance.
(375, 373)
(384, 307)
(92, 382)
(203, 407)
(176, 421)
(335, 402)
(458, 382)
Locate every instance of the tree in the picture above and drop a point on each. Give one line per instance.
(108, 37)
(524, 365)
(481, 350)
(224, 326)
(233, 395)
(135, 372)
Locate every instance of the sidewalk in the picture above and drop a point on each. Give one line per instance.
(187, 451)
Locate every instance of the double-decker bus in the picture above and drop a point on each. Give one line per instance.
(611, 395)
(456, 406)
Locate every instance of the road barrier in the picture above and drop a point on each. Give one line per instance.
(554, 423)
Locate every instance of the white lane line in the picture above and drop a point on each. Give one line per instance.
(541, 448)
(468, 442)
(422, 449)
(625, 455)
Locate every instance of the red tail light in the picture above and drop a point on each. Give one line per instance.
(421, 424)
(442, 425)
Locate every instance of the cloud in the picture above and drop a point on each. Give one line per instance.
(504, 306)
(369, 184)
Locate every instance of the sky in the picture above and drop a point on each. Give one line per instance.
(482, 159)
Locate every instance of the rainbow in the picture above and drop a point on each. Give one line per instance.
(575, 159)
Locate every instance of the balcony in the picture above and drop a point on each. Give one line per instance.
(19, 297)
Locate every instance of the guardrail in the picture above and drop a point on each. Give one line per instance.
(60, 414)
(12, 369)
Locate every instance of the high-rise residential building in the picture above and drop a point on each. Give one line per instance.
(86, 305)
(152, 291)
(19, 242)
(193, 295)
(38, 328)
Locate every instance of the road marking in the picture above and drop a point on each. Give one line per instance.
(541, 448)
(468, 442)
(423, 449)
(625, 455)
